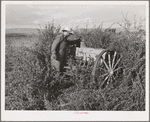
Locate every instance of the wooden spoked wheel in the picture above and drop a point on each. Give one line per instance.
(107, 68)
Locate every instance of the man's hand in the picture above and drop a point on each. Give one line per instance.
(53, 56)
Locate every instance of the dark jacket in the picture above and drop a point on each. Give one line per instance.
(59, 45)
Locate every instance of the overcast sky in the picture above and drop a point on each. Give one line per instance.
(31, 15)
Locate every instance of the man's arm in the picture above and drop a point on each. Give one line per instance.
(55, 44)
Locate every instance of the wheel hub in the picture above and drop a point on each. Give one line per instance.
(111, 72)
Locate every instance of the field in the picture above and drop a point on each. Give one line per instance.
(31, 84)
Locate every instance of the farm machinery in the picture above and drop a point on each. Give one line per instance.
(107, 66)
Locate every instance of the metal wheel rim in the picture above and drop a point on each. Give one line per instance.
(109, 67)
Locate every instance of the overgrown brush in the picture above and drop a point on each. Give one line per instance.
(31, 83)
(24, 88)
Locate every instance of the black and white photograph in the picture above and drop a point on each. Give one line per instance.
(75, 60)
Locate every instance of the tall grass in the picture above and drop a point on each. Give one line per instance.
(31, 83)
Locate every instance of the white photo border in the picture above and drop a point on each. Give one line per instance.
(8, 115)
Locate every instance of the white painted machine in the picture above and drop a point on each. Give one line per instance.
(86, 52)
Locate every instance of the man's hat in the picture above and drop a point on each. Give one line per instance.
(67, 29)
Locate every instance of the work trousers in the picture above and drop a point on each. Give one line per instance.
(59, 63)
